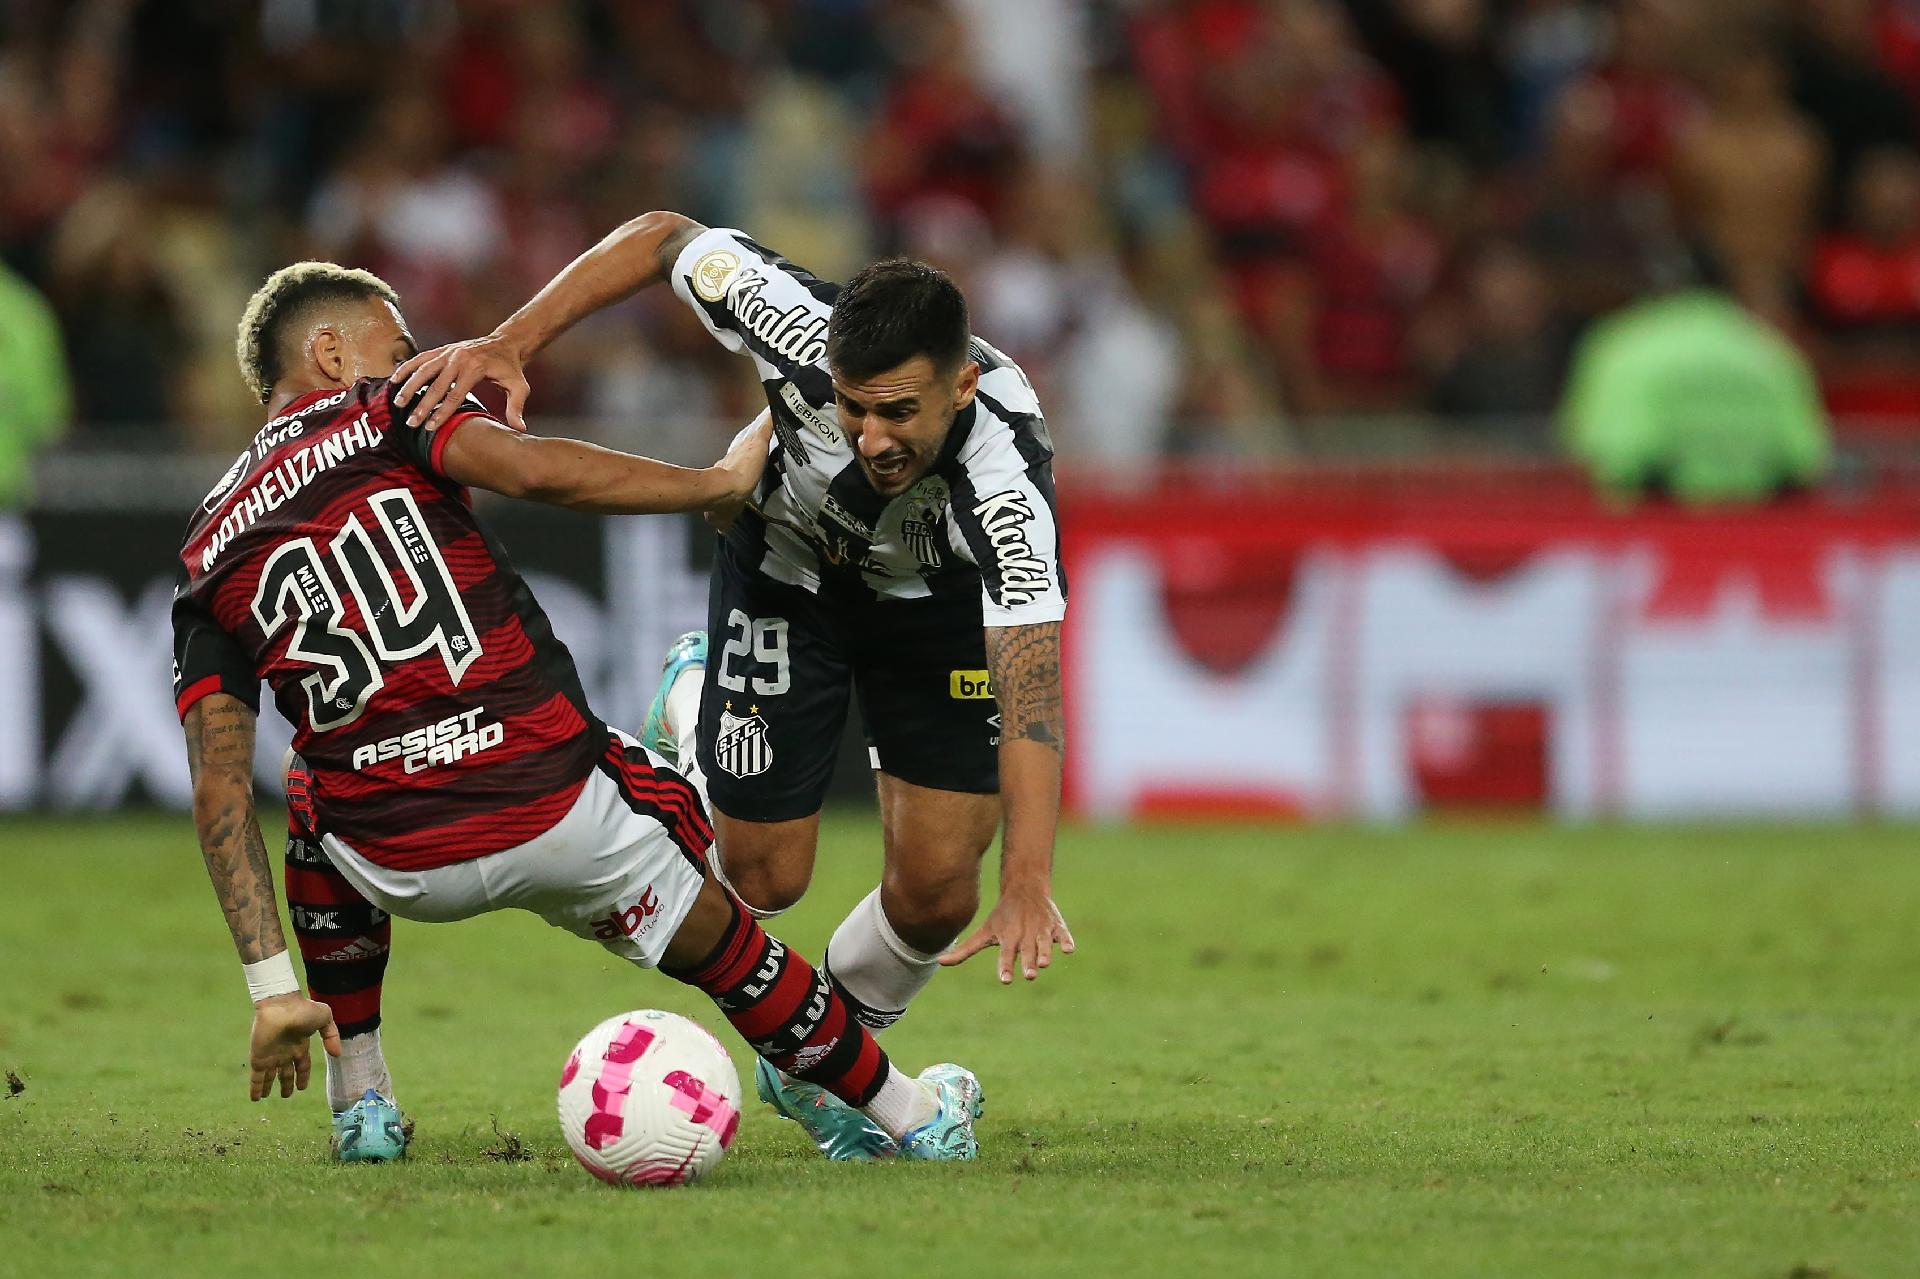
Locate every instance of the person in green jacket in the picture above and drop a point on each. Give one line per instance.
(1691, 395)
(36, 399)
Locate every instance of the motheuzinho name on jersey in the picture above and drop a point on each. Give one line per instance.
(448, 741)
(278, 486)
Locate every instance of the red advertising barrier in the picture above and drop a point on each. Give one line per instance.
(1353, 646)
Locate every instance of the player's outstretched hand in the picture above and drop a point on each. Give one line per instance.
(745, 460)
(443, 377)
(282, 1025)
(1025, 925)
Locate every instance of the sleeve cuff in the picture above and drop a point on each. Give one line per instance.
(1029, 615)
(437, 447)
(209, 685)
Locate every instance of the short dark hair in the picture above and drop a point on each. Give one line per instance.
(892, 311)
(289, 295)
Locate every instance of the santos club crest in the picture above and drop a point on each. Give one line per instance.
(741, 746)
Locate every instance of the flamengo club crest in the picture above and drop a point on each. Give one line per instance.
(741, 747)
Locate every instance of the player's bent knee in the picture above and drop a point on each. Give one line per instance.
(765, 890)
(931, 917)
(767, 865)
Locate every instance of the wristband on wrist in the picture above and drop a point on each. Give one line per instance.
(271, 976)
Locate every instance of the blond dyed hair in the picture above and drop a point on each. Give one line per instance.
(288, 294)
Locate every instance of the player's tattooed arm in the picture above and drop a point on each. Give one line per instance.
(1025, 923)
(220, 756)
(634, 256)
(1025, 663)
(220, 731)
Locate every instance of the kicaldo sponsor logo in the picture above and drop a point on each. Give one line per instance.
(1023, 576)
(630, 921)
(798, 332)
(448, 741)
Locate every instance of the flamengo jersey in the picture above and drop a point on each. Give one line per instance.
(440, 717)
(982, 520)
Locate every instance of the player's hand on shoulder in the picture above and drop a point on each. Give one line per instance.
(742, 466)
(433, 384)
(283, 1025)
(1025, 925)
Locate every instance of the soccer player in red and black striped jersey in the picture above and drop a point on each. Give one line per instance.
(450, 764)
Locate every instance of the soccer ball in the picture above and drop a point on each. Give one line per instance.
(649, 1099)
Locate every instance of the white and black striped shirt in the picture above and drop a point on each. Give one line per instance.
(981, 520)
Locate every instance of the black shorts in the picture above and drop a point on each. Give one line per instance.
(781, 663)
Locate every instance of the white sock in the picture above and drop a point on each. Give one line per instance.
(360, 1066)
(683, 721)
(902, 1104)
(683, 708)
(872, 964)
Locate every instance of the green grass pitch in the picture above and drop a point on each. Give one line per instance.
(1445, 1050)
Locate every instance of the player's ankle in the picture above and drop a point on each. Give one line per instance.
(902, 1104)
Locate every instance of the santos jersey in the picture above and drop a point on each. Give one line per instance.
(982, 520)
(440, 717)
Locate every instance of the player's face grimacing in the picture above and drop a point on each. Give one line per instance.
(897, 420)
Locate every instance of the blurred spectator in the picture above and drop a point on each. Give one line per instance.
(939, 134)
(1503, 349)
(1646, 98)
(1547, 45)
(1748, 174)
(35, 398)
(1602, 241)
(402, 208)
(1865, 288)
(1340, 319)
(1443, 57)
(1691, 395)
(1839, 83)
(126, 338)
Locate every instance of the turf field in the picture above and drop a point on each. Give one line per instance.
(1487, 1050)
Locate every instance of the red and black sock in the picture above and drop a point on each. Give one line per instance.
(343, 938)
(787, 1012)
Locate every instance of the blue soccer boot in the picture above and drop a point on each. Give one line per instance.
(370, 1131)
(841, 1132)
(949, 1134)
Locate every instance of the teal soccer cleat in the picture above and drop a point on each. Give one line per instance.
(841, 1132)
(370, 1131)
(688, 651)
(948, 1135)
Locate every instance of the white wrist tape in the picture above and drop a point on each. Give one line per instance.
(271, 976)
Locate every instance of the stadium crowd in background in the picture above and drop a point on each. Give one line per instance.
(1229, 216)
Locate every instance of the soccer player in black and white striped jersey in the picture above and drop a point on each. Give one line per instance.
(902, 543)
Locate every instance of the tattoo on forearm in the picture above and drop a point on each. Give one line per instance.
(1025, 661)
(220, 732)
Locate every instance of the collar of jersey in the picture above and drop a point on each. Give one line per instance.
(300, 403)
(956, 436)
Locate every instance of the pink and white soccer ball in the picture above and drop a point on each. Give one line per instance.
(649, 1098)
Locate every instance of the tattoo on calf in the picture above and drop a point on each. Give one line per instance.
(1025, 661)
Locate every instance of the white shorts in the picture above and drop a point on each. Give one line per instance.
(604, 871)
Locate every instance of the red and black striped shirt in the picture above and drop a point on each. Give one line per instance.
(441, 718)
